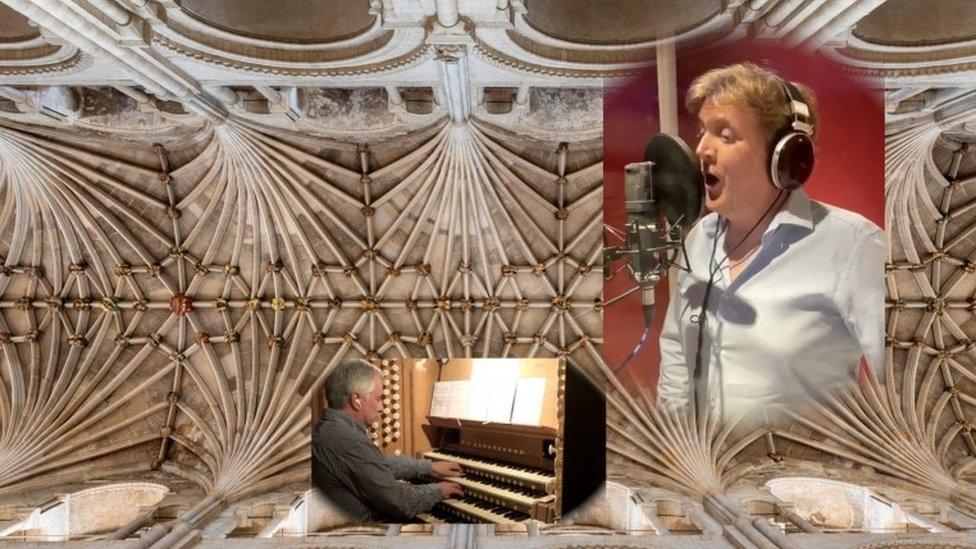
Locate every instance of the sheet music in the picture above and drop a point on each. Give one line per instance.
(450, 399)
(439, 400)
(500, 405)
(529, 395)
(458, 402)
(493, 390)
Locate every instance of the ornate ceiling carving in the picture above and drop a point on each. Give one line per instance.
(303, 38)
(15, 27)
(200, 307)
(296, 21)
(600, 23)
(905, 23)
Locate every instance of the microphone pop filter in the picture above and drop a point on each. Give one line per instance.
(678, 184)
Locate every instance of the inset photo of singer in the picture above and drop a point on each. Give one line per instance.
(457, 441)
(750, 225)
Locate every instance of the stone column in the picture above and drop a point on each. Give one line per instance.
(113, 11)
(800, 522)
(269, 93)
(823, 27)
(52, 15)
(63, 100)
(144, 517)
(667, 87)
(139, 96)
(447, 12)
(394, 95)
(13, 94)
(703, 521)
(454, 80)
(226, 95)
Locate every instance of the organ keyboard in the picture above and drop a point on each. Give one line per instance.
(517, 475)
(513, 453)
(524, 493)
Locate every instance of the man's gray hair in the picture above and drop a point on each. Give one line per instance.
(352, 376)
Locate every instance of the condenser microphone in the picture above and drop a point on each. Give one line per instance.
(663, 200)
(643, 232)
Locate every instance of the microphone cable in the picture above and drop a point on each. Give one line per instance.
(637, 349)
(714, 268)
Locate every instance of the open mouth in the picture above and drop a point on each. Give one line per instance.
(713, 186)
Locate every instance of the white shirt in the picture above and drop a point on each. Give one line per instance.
(801, 314)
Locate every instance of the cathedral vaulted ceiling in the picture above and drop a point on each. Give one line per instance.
(297, 21)
(15, 27)
(905, 23)
(200, 306)
(594, 23)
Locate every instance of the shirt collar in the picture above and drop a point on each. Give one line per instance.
(796, 211)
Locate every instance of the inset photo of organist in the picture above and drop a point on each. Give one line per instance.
(430, 441)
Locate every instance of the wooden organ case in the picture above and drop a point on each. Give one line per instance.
(513, 468)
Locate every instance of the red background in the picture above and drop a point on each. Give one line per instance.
(849, 168)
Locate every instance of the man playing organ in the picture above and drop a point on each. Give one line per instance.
(351, 471)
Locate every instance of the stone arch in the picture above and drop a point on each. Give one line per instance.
(288, 21)
(598, 23)
(89, 512)
(836, 505)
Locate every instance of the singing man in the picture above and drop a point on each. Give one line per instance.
(350, 470)
(784, 293)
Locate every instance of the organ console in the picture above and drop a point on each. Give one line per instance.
(504, 422)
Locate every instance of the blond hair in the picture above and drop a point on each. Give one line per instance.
(749, 85)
